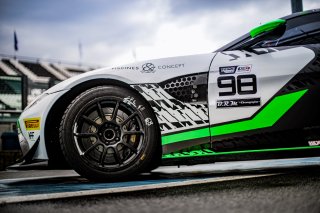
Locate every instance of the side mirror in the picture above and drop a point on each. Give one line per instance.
(267, 27)
(269, 31)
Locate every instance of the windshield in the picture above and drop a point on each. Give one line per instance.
(302, 28)
(308, 31)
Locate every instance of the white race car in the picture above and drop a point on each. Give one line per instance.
(258, 94)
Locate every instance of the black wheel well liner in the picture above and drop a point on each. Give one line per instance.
(51, 132)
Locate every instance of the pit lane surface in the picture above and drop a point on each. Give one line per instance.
(232, 187)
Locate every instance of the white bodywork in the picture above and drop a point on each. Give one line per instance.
(273, 70)
(131, 74)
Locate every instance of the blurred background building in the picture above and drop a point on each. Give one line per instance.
(22, 79)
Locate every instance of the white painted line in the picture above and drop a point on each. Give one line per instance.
(41, 197)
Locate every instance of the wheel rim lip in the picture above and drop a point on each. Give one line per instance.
(133, 156)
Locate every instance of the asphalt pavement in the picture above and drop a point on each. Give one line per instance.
(293, 191)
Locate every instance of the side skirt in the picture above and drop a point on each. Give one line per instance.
(210, 156)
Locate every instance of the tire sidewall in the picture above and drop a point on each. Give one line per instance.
(80, 163)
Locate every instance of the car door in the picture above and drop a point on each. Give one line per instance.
(244, 88)
(251, 88)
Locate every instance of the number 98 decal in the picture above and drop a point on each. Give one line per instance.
(242, 84)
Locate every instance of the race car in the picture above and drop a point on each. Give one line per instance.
(257, 94)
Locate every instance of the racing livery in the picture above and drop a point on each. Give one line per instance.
(257, 94)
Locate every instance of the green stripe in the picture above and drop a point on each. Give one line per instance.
(199, 153)
(183, 136)
(265, 118)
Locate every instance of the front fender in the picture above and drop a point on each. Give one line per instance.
(153, 71)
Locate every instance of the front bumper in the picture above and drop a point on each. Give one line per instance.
(31, 126)
(24, 145)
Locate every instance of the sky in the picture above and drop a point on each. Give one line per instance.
(114, 32)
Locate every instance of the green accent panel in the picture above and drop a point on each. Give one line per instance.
(206, 152)
(266, 27)
(265, 118)
(183, 136)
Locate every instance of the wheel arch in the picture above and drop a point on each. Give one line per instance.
(51, 131)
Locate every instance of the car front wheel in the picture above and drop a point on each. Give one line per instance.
(109, 133)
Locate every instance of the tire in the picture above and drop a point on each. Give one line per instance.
(110, 133)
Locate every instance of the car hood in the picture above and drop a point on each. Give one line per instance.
(150, 71)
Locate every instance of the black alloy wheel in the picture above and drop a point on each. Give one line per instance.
(109, 132)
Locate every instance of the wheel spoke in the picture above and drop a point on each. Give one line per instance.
(101, 113)
(92, 147)
(85, 135)
(89, 121)
(133, 133)
(103, 156)
(117, 156)
(132, 148)
(115, 111)
(129, 118)
(108, 133)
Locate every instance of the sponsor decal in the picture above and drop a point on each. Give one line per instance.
(130, 101)
(189, 153)
(126, 68)
(170, 66)
(244, 68)
(238, 103)
(32, 123)
(31, 136)
(227, 70)
(148, 68)
(148, 121)
(143, 157)
(235, 69)
(314, 143)
(141, 108)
